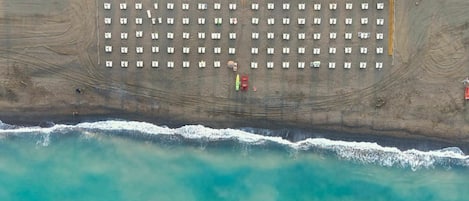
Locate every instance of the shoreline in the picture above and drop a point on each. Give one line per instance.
(286, 131)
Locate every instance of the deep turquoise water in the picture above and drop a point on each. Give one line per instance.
(97, 164)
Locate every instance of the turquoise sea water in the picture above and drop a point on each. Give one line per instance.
(131, 161)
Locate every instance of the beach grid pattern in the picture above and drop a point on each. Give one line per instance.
(258, 34)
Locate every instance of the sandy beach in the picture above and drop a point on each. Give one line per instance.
(50, 49)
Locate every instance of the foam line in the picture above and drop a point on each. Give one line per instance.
(364, 152)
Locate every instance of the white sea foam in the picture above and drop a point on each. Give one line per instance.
(364, 152)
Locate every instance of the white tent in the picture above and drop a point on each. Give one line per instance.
(109, 64)
(270, 50)
(231, 50)
(301, 50)
(216, 64)
(186, 50)
(255, 35)
(124, 64)
(254, 65)
(170, 50)
(254, 50)
(362, 65)
(139, 64)
(286, 6)
(107, 6)
(139, 50)
(186, 64)
(331, 65)
(285, 64)
(301, 36)
(347, 65)
(107, 20)
(154, 64)
(138, 6)
(201, 50)
(286, 50)
(270, 64)
(107, 35)
(255, 6)
(217, 50)
(170, 64)
(301, 64)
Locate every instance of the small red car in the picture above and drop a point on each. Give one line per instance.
(244, 82)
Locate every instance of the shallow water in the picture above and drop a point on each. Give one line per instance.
(79, 163)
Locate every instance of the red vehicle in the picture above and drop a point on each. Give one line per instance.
(466, 95)
(244, 82)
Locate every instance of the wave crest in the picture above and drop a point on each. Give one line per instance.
(363, 152)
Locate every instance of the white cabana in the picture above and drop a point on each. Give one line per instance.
(254, 65)
(379, 50)
(124, 35)
(216, 6)
(254, 50)
(216, 64)
(301, 21)
(232, 36)
(218, 20)
(123, 20)
(348, 21)
(317, 36)
(217, 50)
(186, 50)
(185, 21)
(109, 64)
(347, 65)
(270, 35)
(202, 6)
(202, 64)
(301, 50)
(154, 36)
(201, 35)
(170, 64)
(379, 36)
(201, 50)
(301, 6)
(255, 20)
(170, 20)
(233, 20)
(170, 6)
(138, 21)
(348, 6)
(232, 6)
(348, 36)
(380, 21)
(154, 64)
(124, 64)
(364, 6)
(380, 6)
(138, 6)
(107, 35)
(107, 6)
(139, 64)
(317, 7)
(348, 50)
(301, 64)
(216, 36)
(201, 21)
(186, 64)
(316, 51)
(270, 64)
(255, 6)
(108, 48)
(231, 50)
(301, 36)
(270, 6)
(364, 20)
(317, 21)
(315, 64)
(139, 50)
(363, 50)
(379, 65)
(270, 50)
(170, 50)
(255, 35)
(362, 65)
(271, 21)
(170, 35)
(123, 6)
(107, 20)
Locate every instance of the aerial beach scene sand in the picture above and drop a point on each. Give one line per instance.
(321, 76)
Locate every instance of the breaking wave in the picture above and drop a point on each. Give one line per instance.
(362, 152)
